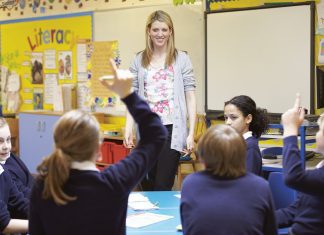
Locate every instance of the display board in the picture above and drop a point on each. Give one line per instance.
(37, 55)
(266, 53)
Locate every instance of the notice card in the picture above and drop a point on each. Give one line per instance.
(145, 219)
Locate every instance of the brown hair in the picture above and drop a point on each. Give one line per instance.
(171, 50)
(223, 150)
(76, 138)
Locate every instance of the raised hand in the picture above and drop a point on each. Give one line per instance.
(121, 83)
(293, 118)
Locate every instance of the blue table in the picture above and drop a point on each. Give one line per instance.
(168, 205)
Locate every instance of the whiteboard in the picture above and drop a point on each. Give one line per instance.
(127, 26)
(266, 53)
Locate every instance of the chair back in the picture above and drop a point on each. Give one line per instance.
(282, 195)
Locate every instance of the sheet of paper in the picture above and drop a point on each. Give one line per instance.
(177, 195)
(82, 58)
(137, 197)
(49, 86)
(142, 206)
(145, 219)
(50, 59)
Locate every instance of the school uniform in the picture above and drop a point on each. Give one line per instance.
(4, 216)
(309, 212)
(19, 174)
(101, 204)
(253, 156)
(11, 200)
(216, 205)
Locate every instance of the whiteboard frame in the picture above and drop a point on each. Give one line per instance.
(218, 112)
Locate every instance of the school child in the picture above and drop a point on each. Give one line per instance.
(71, 195)
(242, 113)
(11, 201)
(12, 164)
(306, 215)
(224, 198)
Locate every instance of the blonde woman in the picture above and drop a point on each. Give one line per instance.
(164, 78)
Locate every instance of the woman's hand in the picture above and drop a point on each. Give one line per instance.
(128, 139)
(121, 84)
(293, 118)
(190, 143)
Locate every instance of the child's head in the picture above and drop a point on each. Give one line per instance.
(76, 138)
(5, 140)
(242, 113)
(320, 135)
(223, 151)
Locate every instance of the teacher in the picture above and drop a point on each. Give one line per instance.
(163, 76)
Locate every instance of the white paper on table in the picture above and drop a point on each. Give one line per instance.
(142, 206)
(177, 195)
(137, 197)
(137, 201)
(145, 219)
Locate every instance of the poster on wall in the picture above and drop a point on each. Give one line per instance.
(38, 99)
(65, 64)
(37, 72)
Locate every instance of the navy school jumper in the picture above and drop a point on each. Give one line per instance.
(307, 213)
(19, 174)
(11, 200)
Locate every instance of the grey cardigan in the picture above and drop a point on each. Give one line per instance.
(184, 80)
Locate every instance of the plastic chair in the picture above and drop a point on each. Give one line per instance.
(282, 195)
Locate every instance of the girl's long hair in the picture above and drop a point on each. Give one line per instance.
(76, 138)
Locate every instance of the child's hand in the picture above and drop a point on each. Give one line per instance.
(121, 84)
(293, 118)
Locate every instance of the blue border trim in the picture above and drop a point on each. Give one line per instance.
(90, 13)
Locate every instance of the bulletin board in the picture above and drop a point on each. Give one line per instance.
(264, 52)
(42, 53)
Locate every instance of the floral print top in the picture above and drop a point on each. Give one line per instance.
(158, 92)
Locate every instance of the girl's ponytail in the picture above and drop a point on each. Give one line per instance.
(55, 170)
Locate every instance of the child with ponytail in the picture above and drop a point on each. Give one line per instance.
(71, 196)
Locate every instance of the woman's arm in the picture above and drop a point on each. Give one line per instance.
(191, 109)
(128, 135)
